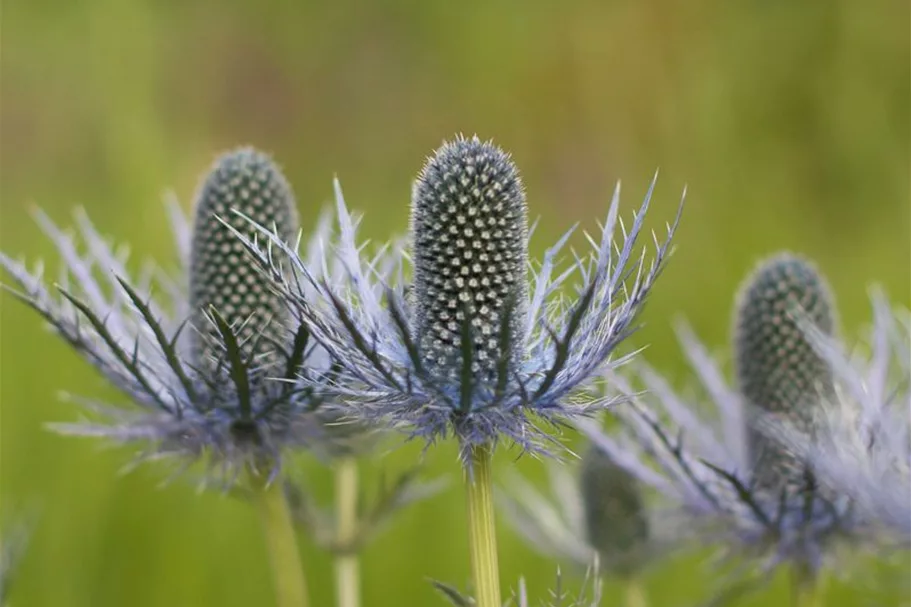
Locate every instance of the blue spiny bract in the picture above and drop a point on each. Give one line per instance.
(471, 351)
(203, 391)
(779, 370)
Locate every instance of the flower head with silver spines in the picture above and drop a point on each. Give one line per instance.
(198, 358)
(794, 508)
(474, 349)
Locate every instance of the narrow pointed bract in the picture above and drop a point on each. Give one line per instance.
(471, 352)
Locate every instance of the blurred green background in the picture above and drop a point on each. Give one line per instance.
(789, 121)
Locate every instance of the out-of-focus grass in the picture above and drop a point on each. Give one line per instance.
(789, 121)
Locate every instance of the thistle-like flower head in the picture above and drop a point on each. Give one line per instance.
(470, 251)
(474, 349)
(779, 371)
(591, 512)
(697, 461)
(200, 390)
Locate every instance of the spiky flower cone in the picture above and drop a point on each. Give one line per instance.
(470, 230)
(615, 518)
(231, 302)
(469, 224)
(222, 276)
(778, 369)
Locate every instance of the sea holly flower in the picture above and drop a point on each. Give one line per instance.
(715, 490)
(593, 509)
(472, 348)
(193, 358)
(475, 350)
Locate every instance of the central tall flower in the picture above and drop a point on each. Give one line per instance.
(469, 224)
(472, 348)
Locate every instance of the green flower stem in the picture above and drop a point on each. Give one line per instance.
(285, 561)
(634, 596)
(347, 568)
(481, 529)
(808, 595)
(807, 589)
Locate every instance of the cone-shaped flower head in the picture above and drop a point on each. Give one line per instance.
(841, 472)
(222, 277)
(469, 224)
(616, 522)
(779, 370)
(474, 350)
(593, 512)
(203, 390)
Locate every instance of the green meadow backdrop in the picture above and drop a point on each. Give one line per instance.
(788, 121)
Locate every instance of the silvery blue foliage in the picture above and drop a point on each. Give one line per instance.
(147, 346)
(538, 348)
(691, 450)
(862, 444)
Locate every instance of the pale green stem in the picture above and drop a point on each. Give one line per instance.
(807, 589)
(284, 557)
(634, 596)
(347, 568)
(481, 529)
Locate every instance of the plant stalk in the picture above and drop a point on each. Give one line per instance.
(347, 567)
(481, 528)
(807, 589)
(634, 596)
(281, 541)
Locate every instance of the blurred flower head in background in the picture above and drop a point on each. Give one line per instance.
(591, 511)
(211, 357)
(715, 490)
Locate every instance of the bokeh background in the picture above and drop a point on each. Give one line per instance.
(789, 121)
